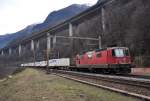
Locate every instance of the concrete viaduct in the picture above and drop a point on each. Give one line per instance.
(50, 36)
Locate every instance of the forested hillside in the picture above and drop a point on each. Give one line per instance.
(127, 23)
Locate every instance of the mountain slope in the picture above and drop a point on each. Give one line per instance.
(52, 19)
(61, 15)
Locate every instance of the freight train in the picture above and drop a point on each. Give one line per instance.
(109, 60)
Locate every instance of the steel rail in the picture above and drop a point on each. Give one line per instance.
(145, 83)
(143, 97)
(121, 80)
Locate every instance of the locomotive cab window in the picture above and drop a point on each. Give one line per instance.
(120, 52)
(98, 55)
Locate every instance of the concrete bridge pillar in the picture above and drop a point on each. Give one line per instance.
(100, 42)
(32, 45)
(10, 51)
(33, 51)
(48, 41)
(2, 52)
(103, 20)
(37, 44)
(54, 40)
(71, 40)
(20, 49)
(48, 48)
(70, 29)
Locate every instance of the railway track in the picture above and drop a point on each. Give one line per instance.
(136, 76)
(131, 86)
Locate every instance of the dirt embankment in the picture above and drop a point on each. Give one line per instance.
(35, 85)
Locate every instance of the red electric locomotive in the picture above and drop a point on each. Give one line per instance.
(109, 60)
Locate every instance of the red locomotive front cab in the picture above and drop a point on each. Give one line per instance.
(119, 58)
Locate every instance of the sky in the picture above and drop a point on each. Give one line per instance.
(17, 14)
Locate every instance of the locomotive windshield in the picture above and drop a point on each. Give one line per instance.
(120, 52)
